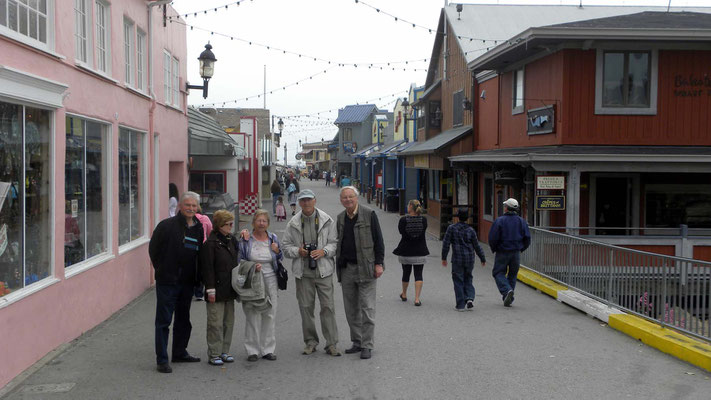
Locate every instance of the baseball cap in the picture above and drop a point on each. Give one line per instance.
(463, 214)
(306, 194)
(511, 203)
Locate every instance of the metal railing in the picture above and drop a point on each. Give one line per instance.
(671, 291)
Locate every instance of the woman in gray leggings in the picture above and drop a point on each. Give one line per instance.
(412, 250)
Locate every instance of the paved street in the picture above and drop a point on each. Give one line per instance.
(537, 349)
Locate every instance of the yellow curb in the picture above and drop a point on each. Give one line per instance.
(669, 341)
(539, 282)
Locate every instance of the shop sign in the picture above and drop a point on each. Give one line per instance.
(350, 147)
(541, 120)
(548, 203)
(550, 182)
(507, 176)
(422, 161)
(3, 239)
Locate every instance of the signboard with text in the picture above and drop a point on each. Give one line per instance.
(550, 182)
(550, 203)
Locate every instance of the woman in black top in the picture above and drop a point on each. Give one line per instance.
(412, 250)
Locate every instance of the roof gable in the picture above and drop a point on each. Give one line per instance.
(355, 114)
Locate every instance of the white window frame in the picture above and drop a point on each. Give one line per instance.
(141, 44)
(129, 52)
(103, 24)
(175, 63)
(107, 255)
(653, 88)
(83, 46)
(519, 75)
(28, 40)
(132, 244)
(167, 78)
(488, 217)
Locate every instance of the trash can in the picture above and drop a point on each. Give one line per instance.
(392, 202)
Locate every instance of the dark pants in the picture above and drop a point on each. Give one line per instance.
(505, 270)
(463, 287)
(172, 298)
(275, 198)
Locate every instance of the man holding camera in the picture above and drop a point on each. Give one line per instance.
(310, 240)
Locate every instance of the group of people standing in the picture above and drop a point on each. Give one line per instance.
(244, 268)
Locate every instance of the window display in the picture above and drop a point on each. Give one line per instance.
(25, 174)
(131, 185)
(84, 189)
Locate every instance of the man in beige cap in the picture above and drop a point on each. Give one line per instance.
(508, 238)
(310, 241)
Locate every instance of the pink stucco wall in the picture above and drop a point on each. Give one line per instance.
(37, 323)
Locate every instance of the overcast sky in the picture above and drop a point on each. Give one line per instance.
(342, 31)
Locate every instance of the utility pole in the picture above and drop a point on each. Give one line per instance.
(285, 163)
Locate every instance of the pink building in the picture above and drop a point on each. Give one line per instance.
(92, 130)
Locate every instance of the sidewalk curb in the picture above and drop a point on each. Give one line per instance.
(668, 341)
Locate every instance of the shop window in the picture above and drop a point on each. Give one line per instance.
(103, 37)
(348, 134)
(204, 182)
(85, 190)
(670, 205)
(518, 91)
(434, 188)
(171, 80)
(25, 203)
(140, 60)
(132, 185)
(175, 74)
(82, 30)
(28, 21)
(128, 52)
(489, 198)
(626, 82)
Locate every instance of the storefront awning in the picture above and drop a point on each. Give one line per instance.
(438, 142)
(366, 150)
(207, 138)
(646, 154)
(384, 149)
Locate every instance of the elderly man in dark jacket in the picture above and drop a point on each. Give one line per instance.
(174, 249)
(508, 238)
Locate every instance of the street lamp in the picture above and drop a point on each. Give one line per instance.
(406, 106)
(280, 125)
(207, 69)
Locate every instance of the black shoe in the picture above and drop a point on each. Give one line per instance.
(509, 298)
(365, 354)
(270, 357)
(470, 304)
(354, 349)
(187, 358)
(252, 357)
(164, 368)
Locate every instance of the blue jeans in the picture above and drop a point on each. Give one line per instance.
(463, 287)
(505, 270)
(172, 299)
(275, 197)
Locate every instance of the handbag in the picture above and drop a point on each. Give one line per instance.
(282, 274)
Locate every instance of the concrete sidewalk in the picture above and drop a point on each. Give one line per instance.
(538, 349)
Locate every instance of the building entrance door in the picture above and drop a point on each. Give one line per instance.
(612, 205)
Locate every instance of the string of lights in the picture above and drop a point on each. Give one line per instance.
(257, 96)
(215, 9)
(414, 25)
(381, 65)
(316, 114)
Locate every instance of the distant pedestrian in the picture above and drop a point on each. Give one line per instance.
(508, 238)
(280, 209)
(328, 178)
(173, 250)
(359, 263)
(412, 251)
(276, 192)
(292, 189)
(173, 201)
(464, 242)
(310, 241)
(217, 258)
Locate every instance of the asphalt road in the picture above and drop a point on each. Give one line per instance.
(538, 349)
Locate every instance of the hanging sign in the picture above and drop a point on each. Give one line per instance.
(422, 161)
(550, 182)
(549, 203)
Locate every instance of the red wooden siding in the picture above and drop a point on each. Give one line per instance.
(487, 112)
(702, 253)
(660, 249)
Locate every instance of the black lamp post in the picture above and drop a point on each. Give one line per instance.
(406, 106)
(207, 69)
(280, 125)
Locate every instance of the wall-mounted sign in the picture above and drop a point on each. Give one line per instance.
(541, 120)
(422, 161)
(350, 147)
(547, 203)
(507, 176)
(550, 182)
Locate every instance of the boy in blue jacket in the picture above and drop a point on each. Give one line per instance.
(508, 238)
(464, 242)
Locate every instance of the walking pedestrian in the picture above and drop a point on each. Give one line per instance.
(173, 200)
(359, 263)
(263, 248)
(217, 258)
(412, 250)
(508, 238)
(328, 178)
(173, 250)
(280, 209)
(292, 189)
(310, 241)
(276, 192)
(464, 243)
